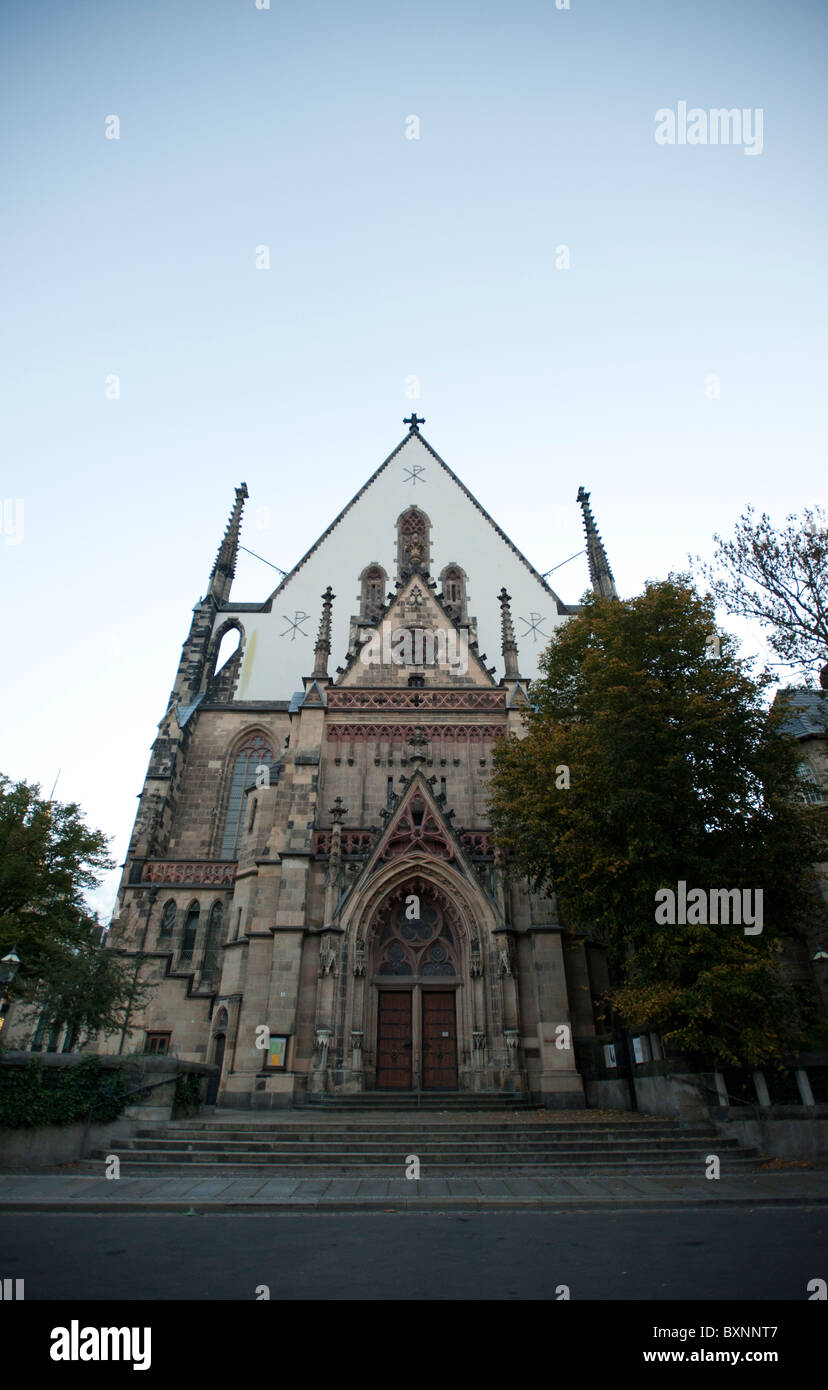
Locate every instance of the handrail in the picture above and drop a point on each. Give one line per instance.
(131, 1090)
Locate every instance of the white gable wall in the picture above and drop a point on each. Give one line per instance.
(279, 644)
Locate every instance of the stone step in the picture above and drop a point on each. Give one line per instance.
(456, 1099)
(453, 1145)
(630, 1168)
(374, 1142)
(382, 1158)
(373, 1126)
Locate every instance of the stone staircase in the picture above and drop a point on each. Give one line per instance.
(375, 1140)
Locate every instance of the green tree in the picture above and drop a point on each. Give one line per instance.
(49, 860)
(780, 578)
(91, 990)
(650, 758)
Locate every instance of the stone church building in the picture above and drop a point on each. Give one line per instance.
(311, 878)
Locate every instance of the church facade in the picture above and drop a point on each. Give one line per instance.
(311, 881)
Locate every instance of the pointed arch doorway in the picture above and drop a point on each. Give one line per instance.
(416, 976)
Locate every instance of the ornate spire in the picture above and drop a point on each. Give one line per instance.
(221, 575)
(600, 573)
(508, 642)
(322, 649)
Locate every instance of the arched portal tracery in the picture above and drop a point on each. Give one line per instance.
(417, 933)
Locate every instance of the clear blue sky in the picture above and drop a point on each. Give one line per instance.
(390, 258)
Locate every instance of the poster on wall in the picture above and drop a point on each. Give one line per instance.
(277, 1051)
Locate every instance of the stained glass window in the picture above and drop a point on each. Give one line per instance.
(255, 752)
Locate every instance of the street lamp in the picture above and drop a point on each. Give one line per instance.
(9, 966)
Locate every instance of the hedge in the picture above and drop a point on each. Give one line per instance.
(32, 1095)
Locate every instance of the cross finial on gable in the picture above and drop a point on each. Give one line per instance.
(414, 421)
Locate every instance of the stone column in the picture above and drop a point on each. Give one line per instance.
(560, 1082)
(329, 946)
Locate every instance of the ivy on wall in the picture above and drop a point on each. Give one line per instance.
(187, 1099)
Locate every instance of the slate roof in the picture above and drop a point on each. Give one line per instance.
(809, 712)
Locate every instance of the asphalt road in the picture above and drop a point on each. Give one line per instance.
(760, 1253)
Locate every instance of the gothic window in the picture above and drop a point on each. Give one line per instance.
(372, 597)
(453, 580)
(412, 542)
(395, 962)
(438, 962)
(167, 920)
(188, 940)
(214, 937)
(255, 753)
(157, 1044)
(42, 1025)
(422, 945)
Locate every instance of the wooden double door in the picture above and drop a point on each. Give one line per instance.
(436, 1036)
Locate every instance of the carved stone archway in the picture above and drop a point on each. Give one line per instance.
(416, 961)
(419, 926)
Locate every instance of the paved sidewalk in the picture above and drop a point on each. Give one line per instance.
(85, 1192)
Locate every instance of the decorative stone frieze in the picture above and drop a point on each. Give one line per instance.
(219, 874)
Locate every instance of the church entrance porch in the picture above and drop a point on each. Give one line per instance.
(428, 1003)
(416, 1040)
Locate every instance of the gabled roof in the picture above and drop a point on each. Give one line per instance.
(415, 433)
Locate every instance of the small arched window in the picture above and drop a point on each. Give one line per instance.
(372, 595)
(453, 581)
(214, 940)
(254, 765)
(167, 920)
(188, 940)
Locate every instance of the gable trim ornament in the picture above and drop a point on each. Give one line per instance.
(417, 831)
